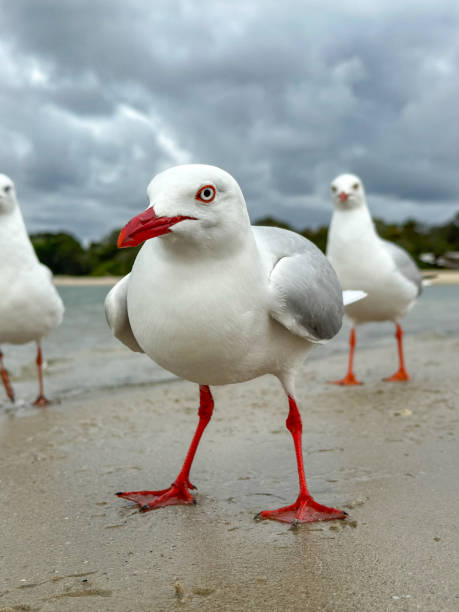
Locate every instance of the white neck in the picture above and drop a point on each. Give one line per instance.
(351, 224)
(15, 245)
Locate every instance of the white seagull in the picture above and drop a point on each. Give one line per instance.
(217, 301)
(365, 261)
(30, 306)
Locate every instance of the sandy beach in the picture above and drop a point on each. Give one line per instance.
(435, 277)
(61, 280)
(388, 453)
(442, 277)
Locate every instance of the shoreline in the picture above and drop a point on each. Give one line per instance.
(441, 277)
(64, 280)
(434, 277)
(387, 453)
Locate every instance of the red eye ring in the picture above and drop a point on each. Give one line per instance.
(206, 197)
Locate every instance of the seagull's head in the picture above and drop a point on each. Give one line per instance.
(347, 192)
(193, 204)
(7, 194)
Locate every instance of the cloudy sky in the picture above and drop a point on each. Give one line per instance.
(96, 96)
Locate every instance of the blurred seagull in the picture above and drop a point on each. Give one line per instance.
(217, 301)
(365, 261)
(30, 306)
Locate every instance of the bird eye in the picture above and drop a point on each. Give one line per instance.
(206, 194)
(7, 189)
(355, 186)
(333, 188)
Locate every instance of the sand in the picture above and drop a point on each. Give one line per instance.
(61, 280)
(435, 277)
(388, 453)
(442, 277)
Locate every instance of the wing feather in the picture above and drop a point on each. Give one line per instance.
(117, 315)
(306, 294)
(404, 263)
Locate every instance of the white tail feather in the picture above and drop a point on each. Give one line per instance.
(353, 295)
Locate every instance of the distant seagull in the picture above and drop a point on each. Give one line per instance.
(365, 261)
(217, 301)
(30, 306)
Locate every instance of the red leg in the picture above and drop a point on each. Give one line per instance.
(401, 374)
(305, 509)
(41, 399)
(350, 378)
(6, 379)
(178, 492)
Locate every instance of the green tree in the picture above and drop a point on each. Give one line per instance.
(106, 258)
(61, 252)
(317, 236)
(64, 254)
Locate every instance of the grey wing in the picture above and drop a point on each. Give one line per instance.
(404, 263)
(306, 294)
(117, 315)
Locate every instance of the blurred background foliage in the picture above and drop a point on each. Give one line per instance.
(64, 254)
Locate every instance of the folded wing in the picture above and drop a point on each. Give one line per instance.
(117, 315)
(404, 264)
(306, 296)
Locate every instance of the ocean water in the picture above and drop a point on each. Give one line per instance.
(82, 354)
(435, 315)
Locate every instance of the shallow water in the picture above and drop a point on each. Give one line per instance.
(435, 314)
(82, 354)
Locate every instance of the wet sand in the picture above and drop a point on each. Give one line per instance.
(388, 453)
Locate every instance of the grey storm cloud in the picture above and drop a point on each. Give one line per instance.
(96, 96)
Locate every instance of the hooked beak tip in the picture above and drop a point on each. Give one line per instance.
(121, 237)
(147, 225)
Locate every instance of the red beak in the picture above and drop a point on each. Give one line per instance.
(144, 226)
(343, 196)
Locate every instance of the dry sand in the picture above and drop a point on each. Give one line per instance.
(62, 280)
(386, 452)
(435, 277)
(442, 277)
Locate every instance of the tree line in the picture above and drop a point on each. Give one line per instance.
(63, 253)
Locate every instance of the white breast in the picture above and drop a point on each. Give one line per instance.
(206, 321)
(30, 306)
(361, 262)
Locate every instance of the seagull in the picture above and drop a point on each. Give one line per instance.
(217, 301)
(30, 306)
(363, 260)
